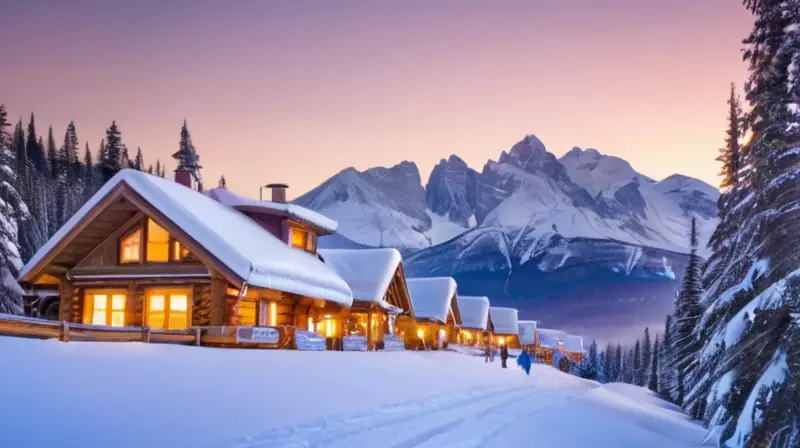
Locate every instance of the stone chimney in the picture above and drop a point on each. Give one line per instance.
(278, 192)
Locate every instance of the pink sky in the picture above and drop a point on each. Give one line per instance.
(296, 91)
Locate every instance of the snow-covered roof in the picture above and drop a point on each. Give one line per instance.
(573, 344)
(368, 272)
(527, 332)
(431, 296)
(550, 338)
(504, 320)
(237, 241)
(474, 311)
(235, 200)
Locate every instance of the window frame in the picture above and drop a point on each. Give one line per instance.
(88, 305)
(142, 227)
(167, 292)
(309, 239)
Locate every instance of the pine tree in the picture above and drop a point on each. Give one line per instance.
(124, 159)
(158, 167)
(222, 182)
(111, 153)
(34, 150)
(187, 157)
(730, 155)
(608, 364)
(13, 211)
(665, 375)
(138, 162)
(618, 360)
(637, 364)
(18, 147)
(652, 383)
(646, 357)
(88, 174)
(52, 154)
(150, 169)
(69, 155)
(688, 312)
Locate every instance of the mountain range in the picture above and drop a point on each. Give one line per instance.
(583, 242)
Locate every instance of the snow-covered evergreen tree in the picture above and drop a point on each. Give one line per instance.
(138, 162)
(52, 153)
(34, 149)
(608, 364)
(652, 382)
(688, 311)
(187, 157)
(589, 367)
(638, 370)
(666, 376)
(647, 349)
(111, 153)
(748, 367)
(618, 360)
(12, 211)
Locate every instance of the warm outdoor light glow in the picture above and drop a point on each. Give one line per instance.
(502, 341)
(273, 314)
(310, 324)
(233, 292)
(329, 327)
(420, 333)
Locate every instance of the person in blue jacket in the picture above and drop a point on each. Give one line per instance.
(524, 361)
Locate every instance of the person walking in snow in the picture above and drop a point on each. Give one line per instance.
(504, 354)
(487, 351)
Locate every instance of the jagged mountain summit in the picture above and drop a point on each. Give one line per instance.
(529, 228)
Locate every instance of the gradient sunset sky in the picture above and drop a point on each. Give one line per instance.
(295, 91)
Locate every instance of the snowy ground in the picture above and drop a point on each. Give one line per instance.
(109, 394)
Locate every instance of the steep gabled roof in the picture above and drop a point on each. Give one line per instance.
(474, 312)
(504, 320)
(240, 245)
(432, 297)
(527, 331)
(370, 273)
(550, 339)
(289, 210)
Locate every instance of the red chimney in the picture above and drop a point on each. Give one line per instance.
(278, 192)
(184, 178)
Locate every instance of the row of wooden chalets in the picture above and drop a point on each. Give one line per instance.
(159, 255)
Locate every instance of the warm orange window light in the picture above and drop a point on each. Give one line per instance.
(157, 243)
(179, 251)
(298, 239)
(420, 333)
(107, 309)
(130, 248)
(168, 309)
(273, 314)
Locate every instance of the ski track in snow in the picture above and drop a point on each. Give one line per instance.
(466, 418)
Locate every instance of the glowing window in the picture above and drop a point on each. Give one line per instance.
(311, 242)
(273, 314)
(157, 243)
(179, 251)
(247, 312)
(130, 248)
(298, 239)
(168, 309)
(105, 309)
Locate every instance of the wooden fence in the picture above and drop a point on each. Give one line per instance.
(29, 327)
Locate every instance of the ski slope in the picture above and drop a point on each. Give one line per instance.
(134, 395)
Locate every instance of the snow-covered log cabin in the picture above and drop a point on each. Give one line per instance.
(436, 312)
(145, 251)
(474, 319)
(552, 341)
(380, 295)
(504, 326)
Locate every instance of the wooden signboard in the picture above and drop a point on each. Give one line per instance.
(263, 335)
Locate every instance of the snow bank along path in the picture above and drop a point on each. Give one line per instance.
(134, 395)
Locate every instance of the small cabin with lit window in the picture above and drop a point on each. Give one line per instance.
(436, 312)
(474, 319)
(297, 226)
(504, 326)
(380, 298)
(549, 342)
(146, 251)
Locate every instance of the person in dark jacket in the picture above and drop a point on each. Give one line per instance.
(504, 354)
